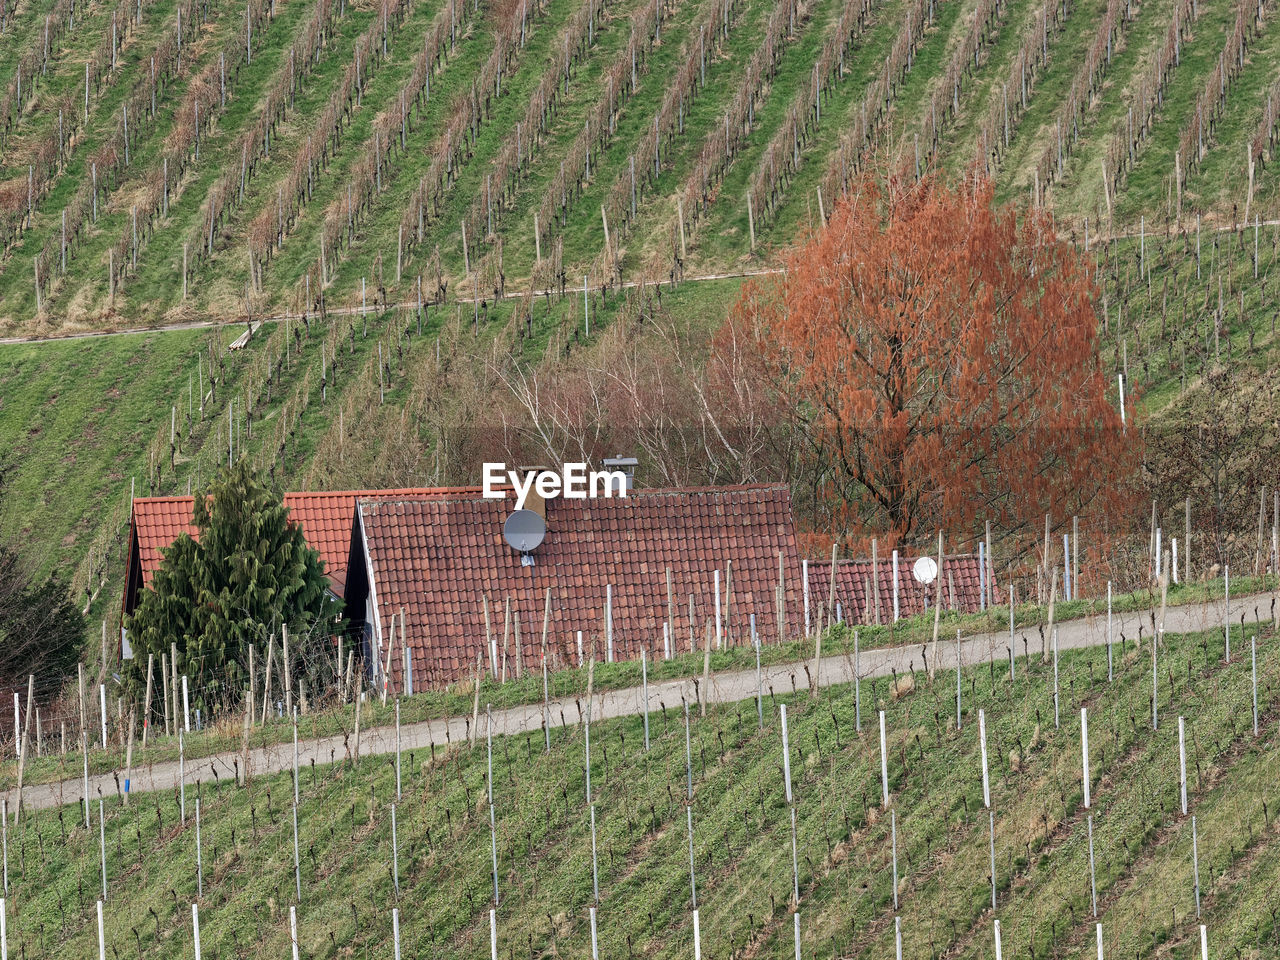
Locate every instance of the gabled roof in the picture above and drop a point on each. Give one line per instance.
(856, 596)
(438, 559)
(325, 518)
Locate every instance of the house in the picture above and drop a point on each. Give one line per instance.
(325, 518)
(431, 585)
(619, 574)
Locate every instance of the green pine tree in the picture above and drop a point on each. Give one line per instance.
(248, 574)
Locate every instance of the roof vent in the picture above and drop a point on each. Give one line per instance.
(626, 465)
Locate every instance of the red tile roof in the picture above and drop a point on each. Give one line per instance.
(438, 559)
(856, 599)
(157, 522)
(325, 518)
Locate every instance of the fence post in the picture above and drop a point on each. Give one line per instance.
(884, 766)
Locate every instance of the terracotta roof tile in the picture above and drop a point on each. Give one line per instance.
(325, 518)
(438, 559)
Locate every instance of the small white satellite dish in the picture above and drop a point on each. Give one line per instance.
(524, 531)
(925, 570)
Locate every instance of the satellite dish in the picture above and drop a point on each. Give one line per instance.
(524, 530)
(925, 570)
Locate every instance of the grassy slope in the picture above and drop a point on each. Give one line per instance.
(106, 413)
(741, 839)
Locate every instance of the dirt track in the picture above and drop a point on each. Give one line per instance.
(724, 688)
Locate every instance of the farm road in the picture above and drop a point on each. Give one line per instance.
(724, 688)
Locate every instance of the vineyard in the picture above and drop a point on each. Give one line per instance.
(1115, 795)
(170, 160)
(368, 225)
(427, 193)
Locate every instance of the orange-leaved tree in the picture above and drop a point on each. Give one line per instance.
(943, 351)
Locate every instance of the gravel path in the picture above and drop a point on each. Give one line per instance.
(724, 688)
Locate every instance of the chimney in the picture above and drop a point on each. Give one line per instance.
(625, 464)
(534, 501)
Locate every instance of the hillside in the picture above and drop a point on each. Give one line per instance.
(1144, 870)
(301, 144)
(350, 147)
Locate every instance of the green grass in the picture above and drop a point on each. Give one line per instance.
(98, 403)
(741, 837)
(81, 422)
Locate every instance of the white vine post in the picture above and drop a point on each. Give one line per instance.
(195, 927)
(986, 801)
(644, 682)
(1084, 752)
(297, 866)
(493, 830)
(895, 586)
(395, 853)
(1088, 802)
(293, 930)
(199, 860)
(755, 643)
(884, 767)
(804, 564)
(786, 775)
(102, 936)
(786, 755)
(102, 848)
(1182, 762)
(688, 810)
(999, 954)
